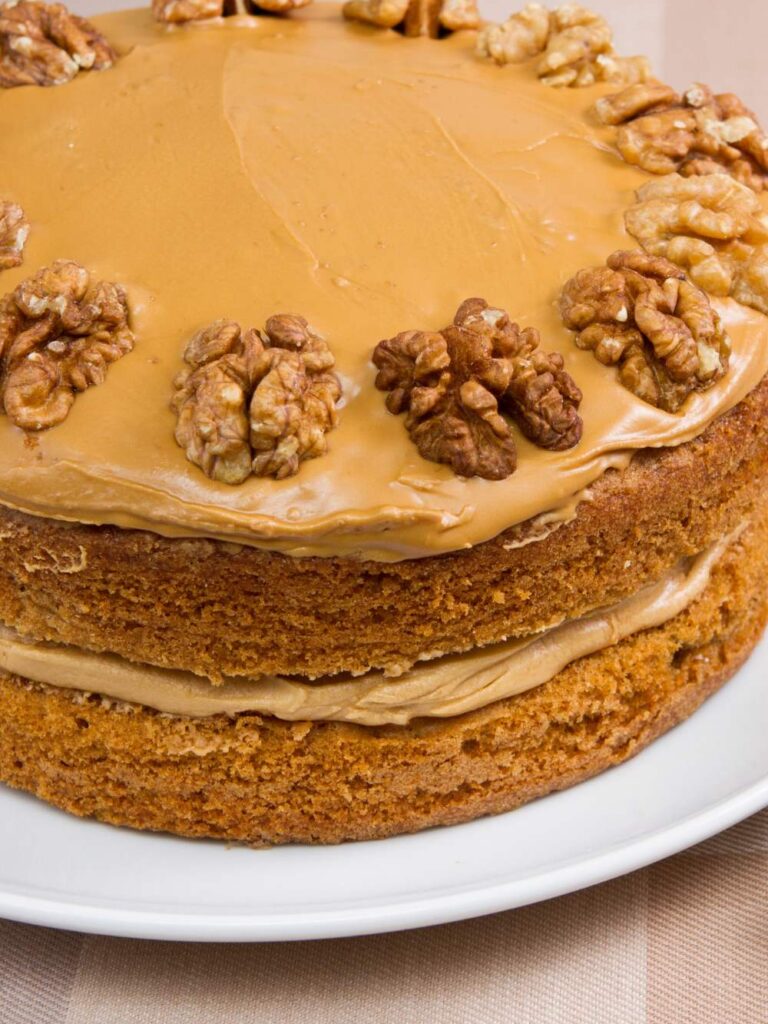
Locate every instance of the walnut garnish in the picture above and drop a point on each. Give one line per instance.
(255, 402)
(432, 18)
(574, 46)
(268, 6)
(454, 387)
(59, 331)
(711, 226)
(14, 229)
(211, 399)
(43, 44)
(696, 133)
(640, 313)
(176, 12)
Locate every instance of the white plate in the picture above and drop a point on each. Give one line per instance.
(705, 775)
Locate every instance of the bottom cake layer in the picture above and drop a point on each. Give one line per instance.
(258, 779)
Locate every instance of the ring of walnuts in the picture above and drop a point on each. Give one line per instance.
(43, 44)
(713, 227)
(14, 229)
(255, 402)
(640, 313)
(432, 18)
(696, 133)
(455, 386)
(574, 46)
(59, 332)
(176, 12)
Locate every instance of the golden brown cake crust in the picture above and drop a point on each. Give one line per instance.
(219, 609)
(260, 780)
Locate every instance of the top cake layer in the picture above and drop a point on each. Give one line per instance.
(366, 182)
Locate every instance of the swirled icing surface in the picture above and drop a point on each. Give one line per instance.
(366, 181)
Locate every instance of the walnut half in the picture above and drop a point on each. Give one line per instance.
(176, 12)
(14, 229)
(713, 227)
(696, 133)
(255, 402)
(574, 46)
(640, 313)
(59, 331)
(43, 44)
(455, 386)
(432, 18)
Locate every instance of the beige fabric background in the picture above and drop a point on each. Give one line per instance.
(682, 942)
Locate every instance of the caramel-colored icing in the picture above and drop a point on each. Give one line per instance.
(444, 688)
(367, 181)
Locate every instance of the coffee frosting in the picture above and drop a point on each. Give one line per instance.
(446, 687)
(250, 166)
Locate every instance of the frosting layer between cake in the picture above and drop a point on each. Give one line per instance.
(444, 688)
(367, 182)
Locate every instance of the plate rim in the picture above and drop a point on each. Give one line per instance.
(444, 908)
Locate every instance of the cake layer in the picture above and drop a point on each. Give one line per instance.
(260, 780)
(219, 610)
(443, 688)
(255, 166)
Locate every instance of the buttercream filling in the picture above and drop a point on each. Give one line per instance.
(443, 688)
(251, 166)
